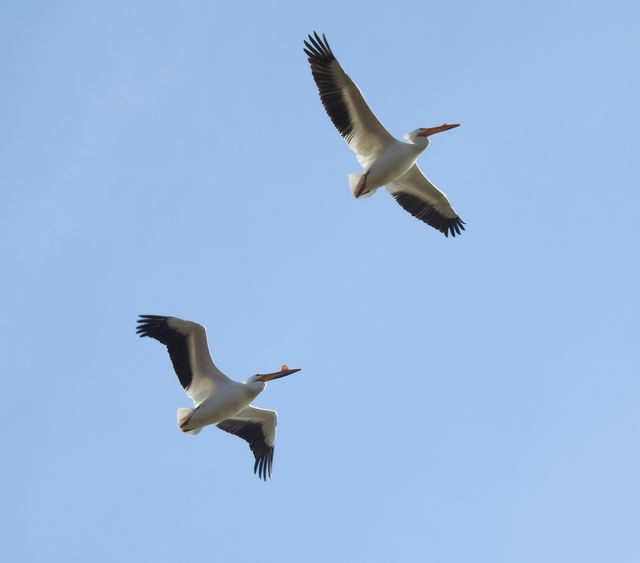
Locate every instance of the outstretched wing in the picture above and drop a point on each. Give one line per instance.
(345, 104)
(415, 193)
(186, 342)
(258, 428)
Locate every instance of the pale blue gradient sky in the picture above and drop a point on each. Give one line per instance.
(461, 400)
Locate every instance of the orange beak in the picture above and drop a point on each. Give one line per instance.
(431, 130)
(284, 370)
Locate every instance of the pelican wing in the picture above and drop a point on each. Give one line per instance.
(186, 342)
(345, 104)
(258, 428)
(415, 193)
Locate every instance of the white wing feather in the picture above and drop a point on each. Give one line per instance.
(206, 376)
(268, 419)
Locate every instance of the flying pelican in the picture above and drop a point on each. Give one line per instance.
(386, 161)
(216, 398)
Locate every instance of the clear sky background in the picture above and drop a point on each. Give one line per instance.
(468, 399)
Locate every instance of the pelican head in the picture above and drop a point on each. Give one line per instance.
(264, 377)
(421, 136)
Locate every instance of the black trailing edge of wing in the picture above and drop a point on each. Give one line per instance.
(157, 327)
(252, 433)
(321, 59)
(429, 215)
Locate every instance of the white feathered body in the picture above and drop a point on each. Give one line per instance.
(392, 164)
(396, 160)
(225, 403)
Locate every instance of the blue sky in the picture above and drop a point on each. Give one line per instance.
(461, 400)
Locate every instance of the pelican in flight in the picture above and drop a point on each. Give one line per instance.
(386, 160)
(216, 398)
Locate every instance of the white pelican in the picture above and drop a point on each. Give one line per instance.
(386, 161)
(216, 398)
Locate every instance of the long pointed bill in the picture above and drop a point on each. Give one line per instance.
(284, 370)
(432, 130)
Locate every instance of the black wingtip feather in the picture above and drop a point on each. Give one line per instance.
(147, 324)
(319, 46)
(429, 215)
(322, 62)
(252, 433)
(157, 327)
